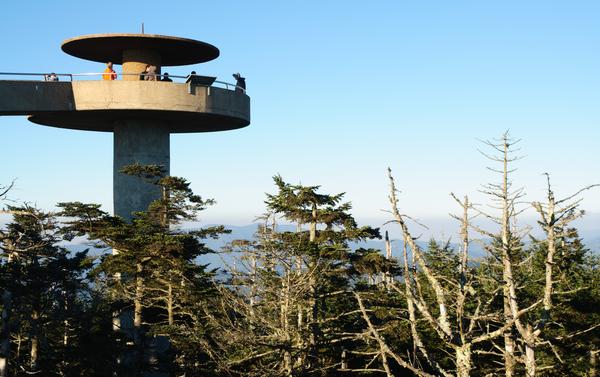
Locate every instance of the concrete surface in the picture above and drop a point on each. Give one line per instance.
(110, 47)
(143, 142)
(97, 105)
(135, 61)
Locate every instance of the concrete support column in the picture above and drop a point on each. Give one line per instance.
(144, 142)
(135, 61)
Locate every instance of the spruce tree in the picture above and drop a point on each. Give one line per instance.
(161, 279)
(292, 293)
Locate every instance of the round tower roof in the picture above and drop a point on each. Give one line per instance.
(110, 47)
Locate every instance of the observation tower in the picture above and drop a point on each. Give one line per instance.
(141, 114)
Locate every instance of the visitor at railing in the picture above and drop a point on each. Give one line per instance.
(51, 77)
(144, 73)
(109, 73)
(190, 76)
(240, 83)
(192, 79)
(151, 74)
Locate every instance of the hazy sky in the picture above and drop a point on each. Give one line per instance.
(340, 90)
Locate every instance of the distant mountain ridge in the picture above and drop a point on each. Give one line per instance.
(247, 232)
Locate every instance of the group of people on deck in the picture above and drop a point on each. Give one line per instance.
(150, 74)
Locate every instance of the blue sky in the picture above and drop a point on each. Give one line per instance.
(340, 90)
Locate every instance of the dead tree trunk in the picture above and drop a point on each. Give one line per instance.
(170, 317)
(507, 275)
(416, 338)
(386, 277)
(5, 332)
(65, 342)
(463, 360)
(312, 319)
(313, 308)
(530, 363)
(313, 224)
(138, 340)
(34, 338)
(593, 363)
(463, 350)
(7, 301)
(285, 325)
(505, 199)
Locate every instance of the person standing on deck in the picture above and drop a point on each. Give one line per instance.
(109, 73)
(240, 85)
(151, 74)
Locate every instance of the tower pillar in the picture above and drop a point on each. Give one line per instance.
(144, 142)
(135, 61)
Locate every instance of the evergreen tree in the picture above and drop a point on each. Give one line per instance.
(160, 279)
(45, 295)
(293, 294)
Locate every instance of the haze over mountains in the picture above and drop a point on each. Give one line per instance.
(246, 232)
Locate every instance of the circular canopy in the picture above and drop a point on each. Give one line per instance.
(109, 47)
(177, 121)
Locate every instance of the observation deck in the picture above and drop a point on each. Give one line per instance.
(97, 105)
(140, 113)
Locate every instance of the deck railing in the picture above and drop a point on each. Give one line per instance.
(92, 75)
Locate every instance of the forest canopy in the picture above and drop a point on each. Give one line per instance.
(301, 301)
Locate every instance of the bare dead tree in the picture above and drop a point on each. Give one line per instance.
(4, 190)
(506, 200)
(384, 352)
(470, 329)
(555, 217)
(265, 292)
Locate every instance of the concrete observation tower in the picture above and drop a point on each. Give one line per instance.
(140, 114)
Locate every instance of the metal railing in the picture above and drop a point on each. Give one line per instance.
(82, 76)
